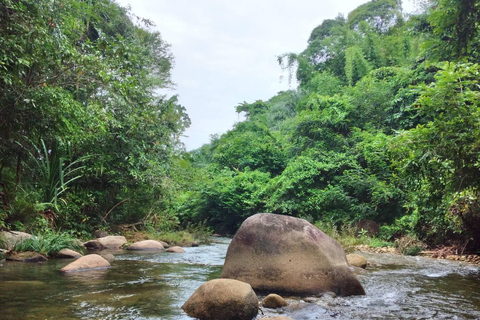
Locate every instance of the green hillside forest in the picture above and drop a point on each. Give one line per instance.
(384, 125)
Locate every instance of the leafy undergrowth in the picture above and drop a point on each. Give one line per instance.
(349, 237)
(49, 244)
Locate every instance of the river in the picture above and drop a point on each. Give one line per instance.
(155, 285)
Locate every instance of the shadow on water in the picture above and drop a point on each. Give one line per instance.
(155, 285)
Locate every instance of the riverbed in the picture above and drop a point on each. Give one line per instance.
(155, 285)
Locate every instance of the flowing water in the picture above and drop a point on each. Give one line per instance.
(155, 285)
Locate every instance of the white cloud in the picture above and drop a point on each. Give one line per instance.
(225, 51)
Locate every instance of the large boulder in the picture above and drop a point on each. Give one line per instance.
(90, 261)
(150, 245)
(223, 299)
(286, 254)
(12, 237)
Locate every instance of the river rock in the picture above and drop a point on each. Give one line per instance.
(357, 260)
(285, 254)
(146, 245)
(109, 257)
(164, 244)
(90, 261)
(12, 237)
(112, 242)
(26, 257)
(93, 245)
(100, 234)
(274, 301)
(224, 299)
(68, 254)
(176, 249)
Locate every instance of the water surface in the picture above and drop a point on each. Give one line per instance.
(155, 285)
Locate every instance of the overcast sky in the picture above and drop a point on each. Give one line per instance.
(225, 51)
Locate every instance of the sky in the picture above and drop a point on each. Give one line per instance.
(226, 51)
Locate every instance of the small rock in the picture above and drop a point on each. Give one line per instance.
(164, 244)
(109, 257)
(274, 301)
(100, 234)
(93, 245)
(329, 294)
(90, 261)
(194, 244)
(146, 245)
(357, 260)
(27, 257)
(278, 318)
(224, 299)
(216, 235)
(176, 249)
(68, 254)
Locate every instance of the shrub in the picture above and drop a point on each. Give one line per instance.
(50, 243)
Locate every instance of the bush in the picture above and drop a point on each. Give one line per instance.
(409, 245)
(50, 243)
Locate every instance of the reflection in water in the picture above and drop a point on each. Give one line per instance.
(155, 285)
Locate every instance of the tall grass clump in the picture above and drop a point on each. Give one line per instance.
(50, 244)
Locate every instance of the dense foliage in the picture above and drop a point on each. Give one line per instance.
(85, 139)
(384, 125)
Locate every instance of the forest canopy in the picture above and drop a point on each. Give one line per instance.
(383, 125)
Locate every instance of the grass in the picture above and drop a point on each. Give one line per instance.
(49, 244)
(349, 237)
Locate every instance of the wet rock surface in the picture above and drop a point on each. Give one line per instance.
(224, 299)
(276, 253)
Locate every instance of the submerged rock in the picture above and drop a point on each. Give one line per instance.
(90, 261)
(286, 254)
(357, 260)
(224, 299)
(146, 245)
(176, 249)
(274, 301)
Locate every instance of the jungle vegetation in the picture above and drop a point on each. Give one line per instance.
(383, 125)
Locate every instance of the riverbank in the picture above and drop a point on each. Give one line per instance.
(442, 254)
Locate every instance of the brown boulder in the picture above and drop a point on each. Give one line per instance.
(223, 299)
(286, 254)
(146, 245)
(357, 260)
(90, 261)
(27, 257)
(274, 301)
(68, 254)
(176, 249)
